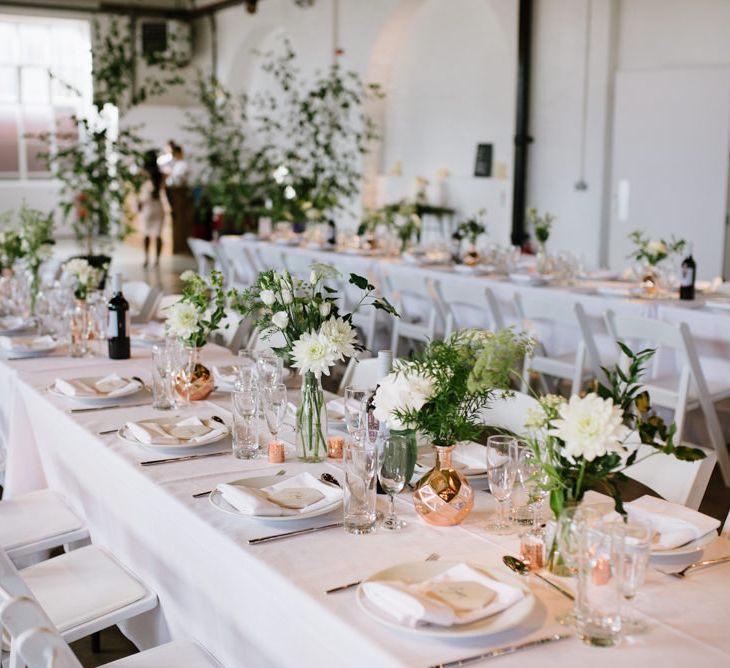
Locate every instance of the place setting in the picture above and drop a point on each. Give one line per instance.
(101, 390)
(27, 346)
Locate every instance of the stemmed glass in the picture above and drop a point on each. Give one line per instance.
(269, 367)
(355, 403)
(501, 473)
(392, 475)
(275, 405)
(247, 366)
(186, 369)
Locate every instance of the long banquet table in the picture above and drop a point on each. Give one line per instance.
(265, 605)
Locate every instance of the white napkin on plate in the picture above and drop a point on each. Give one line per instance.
(189, 430)
(109, 386)
(11, 343)
(473, 456)
(674, 525)
(226, 374)
(250, 501)
(412, 605)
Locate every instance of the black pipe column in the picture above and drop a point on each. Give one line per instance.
(522, 137)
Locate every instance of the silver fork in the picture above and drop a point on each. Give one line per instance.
(200, 495)
(334, 590)
(699, 564)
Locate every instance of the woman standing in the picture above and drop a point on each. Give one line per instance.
(151, 210)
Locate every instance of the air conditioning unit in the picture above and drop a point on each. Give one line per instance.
(157, 37)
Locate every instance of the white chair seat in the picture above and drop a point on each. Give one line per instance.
(37, 521)
(663, 391)
(171, 655)
(83, 586)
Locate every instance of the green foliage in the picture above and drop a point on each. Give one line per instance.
(10, 243)
(542, 224)
(209, 299)
(653, 252)
(472, 228)
(467, 370)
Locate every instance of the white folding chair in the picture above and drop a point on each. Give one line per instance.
(299, 266)
(222, 263)
(673, 479)
(257, 342)
(269, 256)
(82, 592)
(143, 299)
(36, 643)
(573, 366)
(413, 298)
(681, 392)
(236, 333)
(464, 308)
(37, 521)
(508, 411)
(164, 304)
(360, 372)
(242, 268)
(204, 254)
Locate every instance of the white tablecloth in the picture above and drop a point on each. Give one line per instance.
(265, 605)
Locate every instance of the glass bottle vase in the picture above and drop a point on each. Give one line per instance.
(311, 421)
(443, 496)
(542, 259)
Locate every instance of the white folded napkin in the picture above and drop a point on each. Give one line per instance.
(11, 322)
(674, 525)
(417, 604)
(250, 501)
(337, 406)
(472, 455)
(189, 430)
(109, 386)
(11, 343)
(226, 374)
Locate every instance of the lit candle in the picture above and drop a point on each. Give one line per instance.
(334, 447)
(276, 452)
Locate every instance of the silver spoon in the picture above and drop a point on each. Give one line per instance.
(519, 566)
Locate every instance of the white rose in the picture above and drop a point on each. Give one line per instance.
(280, 319)
(182, 320)
(590, 427)
(324, 309)
(268, 297)
(286, 297)
(655, 247)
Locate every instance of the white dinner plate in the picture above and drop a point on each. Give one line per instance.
(422, 570)
(688, 548)
(217, 500)
(126, 435)
(530, 279)
(102, 398)
(13, 324)
(28, 351)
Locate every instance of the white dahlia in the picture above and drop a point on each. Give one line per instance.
(182, 320)
(341, 335)
(313, 353)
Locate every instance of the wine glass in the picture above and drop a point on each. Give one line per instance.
(355, 408)
(186, 370)
(501, 473)
(247, 366)
(275, 405)
(269, 367)
(392, 475)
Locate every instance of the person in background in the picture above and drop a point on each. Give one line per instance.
(178, 167)
(150, 207)
(164, 161)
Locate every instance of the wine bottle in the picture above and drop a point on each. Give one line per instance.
(331, 233)
(118, 322)
(687, 280)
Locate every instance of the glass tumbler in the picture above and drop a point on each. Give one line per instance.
(245, 402)
(360, 459)
(163, 365)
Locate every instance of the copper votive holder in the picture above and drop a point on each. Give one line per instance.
(276, 452)
(334, 447)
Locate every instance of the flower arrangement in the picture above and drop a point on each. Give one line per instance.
(587, 442)
(471, 228)
(200, 309)
(315, 333)
(654, 251)
(10, 248)
(442, 391)
(85, 277)
(36, 244)
(541, 224)
(401, 219)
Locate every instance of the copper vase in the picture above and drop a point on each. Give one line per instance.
(443, 496)
(201, 384)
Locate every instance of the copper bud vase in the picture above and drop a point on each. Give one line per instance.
(202, 384)
(443, 496)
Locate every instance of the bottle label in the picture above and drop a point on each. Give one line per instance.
(112, 330)
(687, 280)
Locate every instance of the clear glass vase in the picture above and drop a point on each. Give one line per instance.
(443, 496)
(311, 427)
(542, 259)
(79, 329)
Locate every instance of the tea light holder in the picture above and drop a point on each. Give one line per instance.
(334, 447)
(533, 548)
(276, 452)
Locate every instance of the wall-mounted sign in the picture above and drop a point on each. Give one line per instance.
(483, 164)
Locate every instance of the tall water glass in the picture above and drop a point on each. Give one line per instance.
(356, 399)
(360, 459)
(245, 422)
(501, 474)
(162, 378)
(600, 582)
(392, 475)
(275, 405)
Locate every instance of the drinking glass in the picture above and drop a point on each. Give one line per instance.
(186, 361)
(501, 473)
(247, 366)
(275, 405)
(360, 459)
(527, 509)
(392, 475)
(637, 552)
(600, 582)
(163, 365)
(356, 399)
(245, 423)
(269, 367)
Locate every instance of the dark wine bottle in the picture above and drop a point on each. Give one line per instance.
(118, 322)
(689, 274)
(331, 233)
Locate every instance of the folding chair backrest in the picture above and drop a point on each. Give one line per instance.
(362, 373)
(509, 411)
(257, 341)
(204, 255)
(270, 257)
(136, 293)
(45, 648)
(464, 308)
(531, 306)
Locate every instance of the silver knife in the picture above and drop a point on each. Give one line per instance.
(184, 459)
(108, 406)
(501, 651)
(280, 536)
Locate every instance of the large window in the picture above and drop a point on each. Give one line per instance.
(45, 78)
